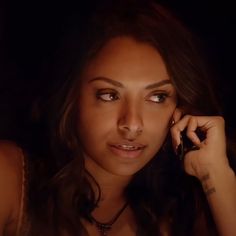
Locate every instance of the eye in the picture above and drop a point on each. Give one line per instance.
(158, 97)
(107, 96)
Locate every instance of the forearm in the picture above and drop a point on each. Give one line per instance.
(219, 185)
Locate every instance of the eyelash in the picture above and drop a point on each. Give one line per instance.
(162, 97)
(110, 96)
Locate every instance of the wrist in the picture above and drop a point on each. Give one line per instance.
(216, 172)
(215, 178)
(215, 168)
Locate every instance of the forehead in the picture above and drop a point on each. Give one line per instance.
(124, 57)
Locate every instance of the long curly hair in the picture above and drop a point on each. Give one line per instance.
(60, 194)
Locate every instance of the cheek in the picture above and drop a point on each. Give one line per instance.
(158, 125)
(93, 125)
(160, 119)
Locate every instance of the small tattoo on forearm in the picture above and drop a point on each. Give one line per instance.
(207, 189)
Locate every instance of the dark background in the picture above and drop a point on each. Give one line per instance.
(29, 33)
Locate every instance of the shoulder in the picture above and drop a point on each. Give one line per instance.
(11, 175)
(10, 155)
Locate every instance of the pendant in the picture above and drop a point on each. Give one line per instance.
(103, 228)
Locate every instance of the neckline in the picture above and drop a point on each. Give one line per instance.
(105, 227)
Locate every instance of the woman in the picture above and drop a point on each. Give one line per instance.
(137, 145)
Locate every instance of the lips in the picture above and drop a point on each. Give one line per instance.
(127, 149)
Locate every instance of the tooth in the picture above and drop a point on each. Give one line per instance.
(128, 147)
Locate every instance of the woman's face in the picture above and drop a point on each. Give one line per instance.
(125, 105)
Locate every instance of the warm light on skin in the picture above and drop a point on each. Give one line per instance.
(118, 84)
(125, 85)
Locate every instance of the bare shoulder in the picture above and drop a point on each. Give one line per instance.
(11, 163)
(10, 155)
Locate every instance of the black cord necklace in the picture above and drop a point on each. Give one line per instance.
(104, 228)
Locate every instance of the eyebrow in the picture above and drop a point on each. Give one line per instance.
(110, 81)
(118, 84)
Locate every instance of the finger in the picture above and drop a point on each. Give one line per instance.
(191, 130)
(177, 129)
(177, 115)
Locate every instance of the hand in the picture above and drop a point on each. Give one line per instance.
(211, 151)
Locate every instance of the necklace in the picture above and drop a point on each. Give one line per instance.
(104, 228)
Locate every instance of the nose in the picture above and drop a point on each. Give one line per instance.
(130, 123)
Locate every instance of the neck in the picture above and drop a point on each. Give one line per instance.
(112, 186)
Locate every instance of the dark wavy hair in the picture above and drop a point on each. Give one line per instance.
(60, 194)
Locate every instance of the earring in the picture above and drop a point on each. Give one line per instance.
(172, 122)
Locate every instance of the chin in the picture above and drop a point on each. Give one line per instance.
(124, 170)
